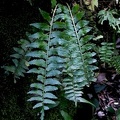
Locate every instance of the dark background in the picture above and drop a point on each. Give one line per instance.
(15, 17)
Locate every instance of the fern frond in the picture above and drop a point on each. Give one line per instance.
(61, 45)
(115, 62)
(80, 68)
(108, 15)
(47, 61)
(106, 52)
(20, 60)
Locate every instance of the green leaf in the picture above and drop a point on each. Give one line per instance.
(79, 70)
(80, 15)
(86, 101)
(108, 15)
(46, 107)
(111, 110)
(52, 81)
(50, 95)
(9, 68)
(59, 25)
(37, 92)
(53, 105)
(48, 101)
(38, 105)
(17, 56)
(37, 71)
(38, 62)
(41, 78)
(106, 52)
(93, 4)
(37, 54)
(37, 85)
(53, 73)
(114, 62)
(41, 26)
(45, 15)
(34, 45)
(118, 114)
(36, 35)
(15, 61)
(18, 50)
(65, 115)
(56, 59)
(53, 3)
(75, 9)
(50, 88)
(35, 99)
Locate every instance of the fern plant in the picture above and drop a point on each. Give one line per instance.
(108, 15)
(106, 51)
(114, 62)
(19, 59)
(80, 68)
(60, 54)
(108, 56)
(48, 55)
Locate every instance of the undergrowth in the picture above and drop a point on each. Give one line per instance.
(60, 53)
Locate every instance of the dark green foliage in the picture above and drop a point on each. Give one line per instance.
(48, 60)
(106, 51)
(107, 55)
(108, 15)
(60, 54)
(114, 62)
(65, 115)
(80, 68)
(118, 114)
(20, 60)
